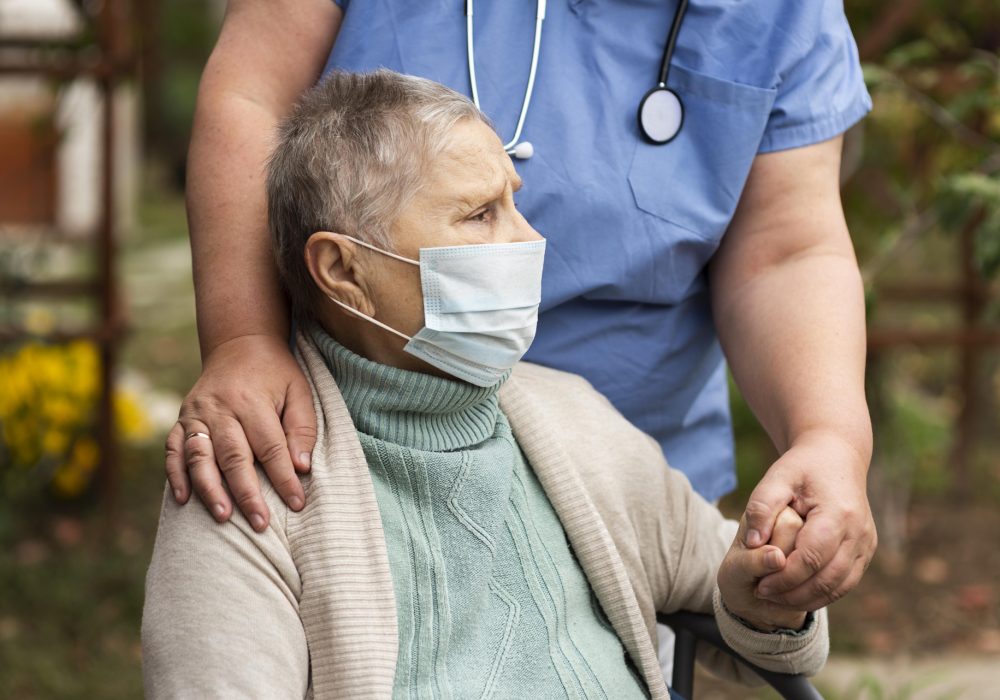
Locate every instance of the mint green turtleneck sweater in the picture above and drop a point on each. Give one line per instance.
(490, 599)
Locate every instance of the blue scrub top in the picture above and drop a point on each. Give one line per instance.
(630, 225)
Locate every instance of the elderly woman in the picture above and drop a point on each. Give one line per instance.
(474, 526)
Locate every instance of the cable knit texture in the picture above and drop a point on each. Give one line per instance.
(308, 607)
(490, 601)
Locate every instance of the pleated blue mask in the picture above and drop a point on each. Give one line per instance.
(480, 307)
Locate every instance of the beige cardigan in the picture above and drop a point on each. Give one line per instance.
(306, 608)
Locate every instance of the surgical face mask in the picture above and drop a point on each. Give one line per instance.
(480, 307)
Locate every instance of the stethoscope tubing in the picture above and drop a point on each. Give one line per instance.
(668, 50)
(540, 6)
(535, 50)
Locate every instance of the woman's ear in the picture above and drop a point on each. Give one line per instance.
(337, 270)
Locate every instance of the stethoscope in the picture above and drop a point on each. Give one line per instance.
(661, 112)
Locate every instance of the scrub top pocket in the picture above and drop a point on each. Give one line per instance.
(695, 180)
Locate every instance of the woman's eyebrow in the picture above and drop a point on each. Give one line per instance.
(473, 200)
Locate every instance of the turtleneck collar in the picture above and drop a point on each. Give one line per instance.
(412, 409)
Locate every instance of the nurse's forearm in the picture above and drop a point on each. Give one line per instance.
(795, 339)
(236, 282)
(268, 54)
(789, 305)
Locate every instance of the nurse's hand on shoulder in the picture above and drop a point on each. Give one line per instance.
(823, 478)
(251, 399)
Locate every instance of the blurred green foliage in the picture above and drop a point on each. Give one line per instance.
(974, 197)
(923, 167)
(931, 145)
(179, 39)
(929, 173)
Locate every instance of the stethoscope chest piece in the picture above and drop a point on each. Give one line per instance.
(661, 115)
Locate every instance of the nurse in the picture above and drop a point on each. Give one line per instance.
(665, 260)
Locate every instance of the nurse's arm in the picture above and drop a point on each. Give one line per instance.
(788, 303)
(251, 397)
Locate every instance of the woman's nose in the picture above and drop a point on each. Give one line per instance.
(525, 232)
(531, 235)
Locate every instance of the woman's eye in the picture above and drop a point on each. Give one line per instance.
(481, 216)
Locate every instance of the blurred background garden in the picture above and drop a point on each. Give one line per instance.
(96, 285)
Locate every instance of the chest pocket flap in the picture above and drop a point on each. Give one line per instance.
(695, 180)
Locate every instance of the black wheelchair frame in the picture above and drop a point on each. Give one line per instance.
(690, 628)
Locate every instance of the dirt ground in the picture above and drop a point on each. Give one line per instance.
(943, 596)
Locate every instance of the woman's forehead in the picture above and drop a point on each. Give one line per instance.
(473, 168)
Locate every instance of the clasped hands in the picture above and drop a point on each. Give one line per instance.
(743, 568)
(781, 566)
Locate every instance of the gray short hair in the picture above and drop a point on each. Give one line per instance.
(350, 157)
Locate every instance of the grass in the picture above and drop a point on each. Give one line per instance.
(71, 592)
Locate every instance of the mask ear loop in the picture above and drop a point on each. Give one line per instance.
(369, 246)
(378, 323)
(357, 313)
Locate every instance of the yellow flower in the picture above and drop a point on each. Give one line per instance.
(72, 477)
(60, 410)
(55, 442)
(48, 411)
(85, 454)
(131, 422)
(69, 480)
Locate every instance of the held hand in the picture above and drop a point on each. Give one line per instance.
(251, 400)
(744, 567)
(823, 479)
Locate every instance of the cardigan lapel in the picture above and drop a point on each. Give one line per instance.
(591, 541)
(348, 608)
